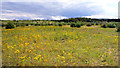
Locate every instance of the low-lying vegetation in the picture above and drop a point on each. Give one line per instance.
(68, 42)
(59, 46)
(72, 24)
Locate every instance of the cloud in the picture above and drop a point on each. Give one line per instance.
(57, 17)
(58, 9)
(11, 15)
(101, 16)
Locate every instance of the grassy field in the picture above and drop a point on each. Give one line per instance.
(0, 46)
(59, 46)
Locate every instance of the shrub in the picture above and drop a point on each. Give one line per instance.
(49, 24)
(96, 24)
(111, 25)
(32, 24)
(118, 27)
(23, 24)
(64, 23)
(68, 23)
(104, 25)
(43, 24)
(82, 24)
(78, 25)
(88, 24)
(59, 24)
(3, 24)
(17, 24)
(92, 23)
(27, 24)
(10, 26)
(55, 24)
(100, 23)
(72, 25)
(37, 24)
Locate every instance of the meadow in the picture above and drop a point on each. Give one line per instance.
(59, 46)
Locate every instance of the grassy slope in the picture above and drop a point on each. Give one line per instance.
(49, 45)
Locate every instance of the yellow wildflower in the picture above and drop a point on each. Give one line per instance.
(58, 55)
(63, 57)
(86, 51)
(17, 51)
(63, 61)
(29, 50)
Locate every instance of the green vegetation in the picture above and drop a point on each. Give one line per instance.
(10, 25)
(56, 45)
(104, 25)
(88, 24)
(118, 27)
(68, 42)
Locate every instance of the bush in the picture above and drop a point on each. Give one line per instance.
(72, 25)
(96, 24)
(59, 24)
(68, 23)
(111, 25)
(3, 24)
(23, 24)
(27, 24)
(82, 24)
(17, 24)
(43, 24)
(100, 23)
(104, 25)
(32, 24)
(64, 23)
(88, 24)
(78, 25)
(10, 26)
(92, 23)
(50, 24)
(55, 24)
(37, 24)
(118, 28)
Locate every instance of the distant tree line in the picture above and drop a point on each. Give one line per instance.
(88, 20)
(76, 20)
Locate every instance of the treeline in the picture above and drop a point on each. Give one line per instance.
(72, 20)
(87, 20)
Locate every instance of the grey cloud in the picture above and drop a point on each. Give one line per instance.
(51, 9)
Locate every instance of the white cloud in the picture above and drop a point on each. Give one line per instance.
(101, 16)
(57, 17)
(17, 14)
(109, 8)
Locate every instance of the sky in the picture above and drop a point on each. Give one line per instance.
(58, 9)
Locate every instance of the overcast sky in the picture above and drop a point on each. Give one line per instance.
(58, 9)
